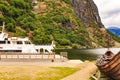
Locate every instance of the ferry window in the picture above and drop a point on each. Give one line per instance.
(19, 42)
(46, 50)
(27, 42)
(2, 42)
(8, 42)
(6, 38)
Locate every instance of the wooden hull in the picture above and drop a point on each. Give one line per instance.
(110, 68)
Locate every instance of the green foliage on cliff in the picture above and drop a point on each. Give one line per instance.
(58, 22)
(48, 20)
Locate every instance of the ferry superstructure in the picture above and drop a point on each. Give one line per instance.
(21, 45)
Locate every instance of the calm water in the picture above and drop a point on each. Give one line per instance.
(86, 54)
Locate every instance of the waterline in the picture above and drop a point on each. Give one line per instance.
(86, 54)
(103, 50)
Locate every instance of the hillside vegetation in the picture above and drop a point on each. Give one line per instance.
(48, 20)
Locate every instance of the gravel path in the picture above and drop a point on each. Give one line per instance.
(69, 63)
(84, 73)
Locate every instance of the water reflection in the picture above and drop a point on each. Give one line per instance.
(103, 50)
(86, 54)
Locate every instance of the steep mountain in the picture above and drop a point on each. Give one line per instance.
(87, 11)
(70, 23)
(114, 30)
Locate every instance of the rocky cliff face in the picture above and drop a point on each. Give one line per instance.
(87, 11)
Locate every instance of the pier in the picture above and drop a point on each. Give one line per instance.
(32, 57)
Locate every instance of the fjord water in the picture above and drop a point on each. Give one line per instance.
(86, 54)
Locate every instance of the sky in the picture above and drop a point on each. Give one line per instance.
(109, 11)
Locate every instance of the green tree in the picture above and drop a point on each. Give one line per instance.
(10, 27)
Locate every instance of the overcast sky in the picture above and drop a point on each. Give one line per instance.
(109, 11)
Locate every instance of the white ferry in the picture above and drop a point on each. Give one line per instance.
(21, 45)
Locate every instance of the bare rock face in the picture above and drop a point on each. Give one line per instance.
(87, 11)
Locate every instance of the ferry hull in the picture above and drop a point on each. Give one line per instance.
(111, 68)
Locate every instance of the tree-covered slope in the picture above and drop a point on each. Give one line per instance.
(50, 20)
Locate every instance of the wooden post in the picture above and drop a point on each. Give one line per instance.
(23, 56)
(48, 55)
(29, 56)
(42, 55)
(6, 56)
(54, 55)
(17, 56)
(11, 56)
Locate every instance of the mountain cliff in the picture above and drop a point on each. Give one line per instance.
(70, 23)
(87, 11)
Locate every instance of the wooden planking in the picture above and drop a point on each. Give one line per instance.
(112, 68)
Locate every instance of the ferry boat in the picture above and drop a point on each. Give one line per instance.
(109, 64)
(21, 45)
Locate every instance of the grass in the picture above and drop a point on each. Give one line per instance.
(34, 72)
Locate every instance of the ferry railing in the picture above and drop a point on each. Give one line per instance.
(14, 55)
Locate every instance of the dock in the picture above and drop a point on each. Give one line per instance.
(33, 57)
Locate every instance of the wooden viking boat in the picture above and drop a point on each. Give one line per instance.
(109, 64)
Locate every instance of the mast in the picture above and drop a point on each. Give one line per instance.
(108, 41)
